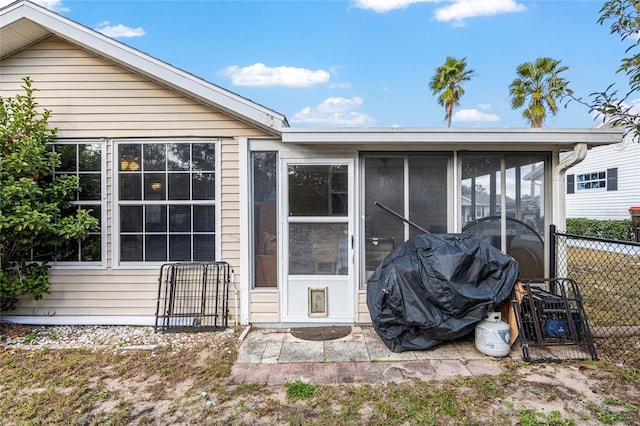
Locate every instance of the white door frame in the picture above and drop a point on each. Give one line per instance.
(338, 286)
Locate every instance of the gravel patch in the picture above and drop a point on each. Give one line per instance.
(116, 337)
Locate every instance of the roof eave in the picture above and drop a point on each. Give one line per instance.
(563, 138)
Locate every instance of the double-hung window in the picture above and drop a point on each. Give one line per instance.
(166, 201)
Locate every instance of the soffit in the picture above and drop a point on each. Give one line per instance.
(448, 138)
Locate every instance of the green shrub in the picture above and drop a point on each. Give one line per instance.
(612, 229)
(36, 213)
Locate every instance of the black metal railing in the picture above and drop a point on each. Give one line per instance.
(608, 274)
(193, 297)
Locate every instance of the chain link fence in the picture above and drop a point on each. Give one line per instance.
(608, 274)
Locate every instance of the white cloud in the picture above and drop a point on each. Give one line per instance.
(55, 5)
(382, 6)
(336, 112)
(473, 115)
(456, 11)
(263, 76)
(339, 85)
(119, 30)
(462, 9)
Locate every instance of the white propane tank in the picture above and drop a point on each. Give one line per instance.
(493, 336)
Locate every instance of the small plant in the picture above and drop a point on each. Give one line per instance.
(300, 389)
(102, 396)
(555, 418)
(51, 335)
(221, 367)
(609, 418)
(591, 405)
(629, 375)
(528, 416)
(30, 337)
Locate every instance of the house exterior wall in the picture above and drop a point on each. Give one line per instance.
(95, 99)
(264, 306)
(601, 203)
(91, 98)
(362, 310)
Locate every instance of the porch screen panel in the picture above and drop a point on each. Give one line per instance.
(385, 183)
(480, 187)
(428, 193)
(167, 201)
(528, 203)
(265, 235)
(415, 186)
(502, 202)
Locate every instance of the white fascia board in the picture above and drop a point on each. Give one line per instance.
(144, 64)
(551, 137)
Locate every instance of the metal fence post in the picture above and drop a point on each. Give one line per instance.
(552, 252)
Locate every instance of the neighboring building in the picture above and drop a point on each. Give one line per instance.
(182, 170)
(606, 183)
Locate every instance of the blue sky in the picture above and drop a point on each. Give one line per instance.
(368, 63)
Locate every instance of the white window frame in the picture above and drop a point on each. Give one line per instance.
(102, 264)
(588, 178)
(116, 202)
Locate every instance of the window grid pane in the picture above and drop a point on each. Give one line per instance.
(593, 180)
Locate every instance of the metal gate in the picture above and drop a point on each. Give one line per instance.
(193, 297)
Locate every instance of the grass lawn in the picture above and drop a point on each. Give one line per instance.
(172, 386)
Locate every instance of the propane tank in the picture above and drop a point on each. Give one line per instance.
(493, 336)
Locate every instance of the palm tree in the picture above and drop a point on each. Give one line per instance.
(447, 81)
(539, 85)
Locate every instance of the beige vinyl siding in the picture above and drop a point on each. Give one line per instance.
(264, 307)
(91, 98)
(362, 314)
(96, 292)
(229, 232)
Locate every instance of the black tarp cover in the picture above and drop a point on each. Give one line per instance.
(436, 288)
